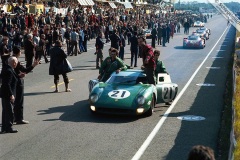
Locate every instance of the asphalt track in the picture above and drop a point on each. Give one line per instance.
(62, 127)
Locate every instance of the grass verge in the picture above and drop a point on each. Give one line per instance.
(237, 104)
(226, 121)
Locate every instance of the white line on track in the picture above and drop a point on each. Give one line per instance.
(147, 142)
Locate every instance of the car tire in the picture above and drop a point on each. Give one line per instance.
(150, 110)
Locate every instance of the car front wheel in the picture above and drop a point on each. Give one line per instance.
(151, 108)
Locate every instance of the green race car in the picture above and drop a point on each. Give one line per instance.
(128, 93)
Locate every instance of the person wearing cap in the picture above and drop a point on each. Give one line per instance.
(21, 71)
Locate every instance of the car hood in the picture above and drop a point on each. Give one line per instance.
(123, 96)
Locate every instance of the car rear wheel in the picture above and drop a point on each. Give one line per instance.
(152, 105)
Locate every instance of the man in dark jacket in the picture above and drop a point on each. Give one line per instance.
(9, 81)
(122, 45)
(4, 51)
(115, 39)
(29, 50)
(99, 48)
(57, 56)
(164, 35)
(134, 49)
(21, 71)
(159, 34)
(154, 35)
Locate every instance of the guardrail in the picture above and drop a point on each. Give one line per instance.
(229, 15)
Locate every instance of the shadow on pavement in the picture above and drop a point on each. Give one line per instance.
(36, 93)
(80, 112)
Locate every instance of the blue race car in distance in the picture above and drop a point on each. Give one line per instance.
(194, 41)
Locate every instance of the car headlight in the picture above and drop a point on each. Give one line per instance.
(94, 98)
(140, 110)
(141, 100)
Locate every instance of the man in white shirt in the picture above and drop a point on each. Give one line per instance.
(63, 30)
(74, 39)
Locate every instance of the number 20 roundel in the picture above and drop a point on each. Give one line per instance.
(119, 94)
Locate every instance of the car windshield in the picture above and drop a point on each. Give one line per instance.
(200, 31)
(127, 80)
(192, 37)
(123, 79)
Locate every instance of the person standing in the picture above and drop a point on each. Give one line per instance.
(21, 71)
(67, 37)
(99, 48)
(178, 27)
(29, 50)
(149, 64)
(122, 45)
(74, 40)
(4, 51)
(164, 35)
(115, 40)
(48, 40)
(40, 48)
(86, 38)
(134, 49)
(9, 82)
(168, 33)
(57, 56)
(159, 34)
(81, 40)
(154, 35)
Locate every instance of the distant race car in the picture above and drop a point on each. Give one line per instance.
(147, 33)
(205, 29)
(202, 34)
(128, 93)
(194, 41)
(198, 24)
